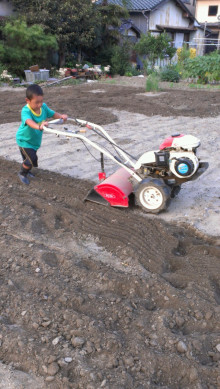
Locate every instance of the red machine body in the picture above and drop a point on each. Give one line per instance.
(169, 141)
(116, 188)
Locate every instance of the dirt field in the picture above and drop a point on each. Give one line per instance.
(95, 297)
(79, 102)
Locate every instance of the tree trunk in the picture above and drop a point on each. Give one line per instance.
(61, 59)
(79, 57)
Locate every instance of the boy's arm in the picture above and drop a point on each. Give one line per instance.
(60, 116)
(36, 126)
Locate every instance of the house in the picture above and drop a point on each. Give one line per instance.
(129, 29)
(191, 5)
(171, 16)
(208, 15)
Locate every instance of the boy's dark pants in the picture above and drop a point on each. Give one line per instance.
(29, 157)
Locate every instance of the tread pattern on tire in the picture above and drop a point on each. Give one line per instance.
(159, 184)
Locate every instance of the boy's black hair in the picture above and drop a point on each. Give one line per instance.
(32, 90)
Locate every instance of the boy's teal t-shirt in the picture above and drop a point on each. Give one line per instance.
(27, 136)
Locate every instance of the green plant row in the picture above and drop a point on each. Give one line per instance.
(206, 68)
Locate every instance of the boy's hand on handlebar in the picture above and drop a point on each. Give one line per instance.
(42, 125)
(64, 117)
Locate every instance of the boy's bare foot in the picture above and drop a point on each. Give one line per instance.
(24, 179)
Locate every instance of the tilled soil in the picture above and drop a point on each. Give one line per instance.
(77, 101)
(95, 297)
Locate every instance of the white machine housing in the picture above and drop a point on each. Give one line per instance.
(186, 142)
(180, 154)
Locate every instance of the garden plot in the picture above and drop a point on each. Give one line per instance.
(98, 297)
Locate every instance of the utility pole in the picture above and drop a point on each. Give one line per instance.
(204, 37)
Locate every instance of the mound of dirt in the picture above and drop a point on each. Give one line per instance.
(95, 297)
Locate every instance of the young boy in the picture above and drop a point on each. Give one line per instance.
(34, 116)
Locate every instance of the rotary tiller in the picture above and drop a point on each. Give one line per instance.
(155, 177)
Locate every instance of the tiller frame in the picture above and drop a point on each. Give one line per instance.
(115, 189)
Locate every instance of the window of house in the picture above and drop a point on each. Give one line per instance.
(213, 9)
(172, 37)
(186, 37)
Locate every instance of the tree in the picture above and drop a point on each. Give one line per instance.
(154, 47)
(120, 58)
(23, 46)
(111, 16)
(72, 22)
(107, 30)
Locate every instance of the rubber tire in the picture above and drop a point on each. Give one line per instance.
(158, 184)
(175, 190)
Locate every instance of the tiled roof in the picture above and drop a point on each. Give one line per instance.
(136, 5)
(145, 5)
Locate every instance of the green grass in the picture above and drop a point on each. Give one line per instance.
(107, 81)
(152, 83)
(206, 86)
(69, 82)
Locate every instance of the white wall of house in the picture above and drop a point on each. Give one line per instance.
(6, 8)
(168, 14)
(202, 15)
(179, 39)
(202, 11)
(197, 40)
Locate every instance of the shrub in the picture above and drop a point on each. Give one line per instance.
(132, 71)
(24, 46)
(169, 74)
(151, 48)
(1, 53)
(2, 68)
(206, 68)
(120, 59)
(192, 53)
(152, 83)
(103, 55)
(135, 72)
(183, 53)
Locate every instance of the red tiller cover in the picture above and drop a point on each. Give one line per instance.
(116, 188)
